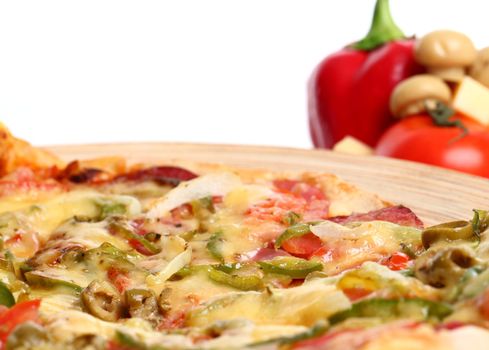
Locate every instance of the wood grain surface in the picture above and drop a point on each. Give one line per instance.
(435, 194)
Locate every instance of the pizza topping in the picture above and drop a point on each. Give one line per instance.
(165, 175)
(350, 245)
(397, 261)
(414, 309)
(214, 245)
(74, 172)
(24, 180)
(217, 184)
(398, 215)
(264, 254)
(443, 266)
(142, 303)
(27, 335)
(122, 228)
(290, 266)
(102, 300)
(303, 305)
(296, 230)
(42, 279)
(18, 314)
(6, 297)
(457, 230)
(295, 200)
(156, 282)
(305, 246)
(243, 282)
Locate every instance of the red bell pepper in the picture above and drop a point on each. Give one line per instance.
(349, 91)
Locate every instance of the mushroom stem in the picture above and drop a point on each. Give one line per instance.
(382, 30)
(453, 74)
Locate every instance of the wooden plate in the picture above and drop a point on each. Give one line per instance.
(435, 194)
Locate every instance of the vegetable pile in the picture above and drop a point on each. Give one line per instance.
(422, 99)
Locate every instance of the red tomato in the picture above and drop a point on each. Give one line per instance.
(416, 138)
(321, 341)
(115, 346)
(118, 278)
(24, 244)
(397, 261)
(299, 189)
(296, 196)
(17, 314)
(303, 246)
(483, 304)
(356, 293)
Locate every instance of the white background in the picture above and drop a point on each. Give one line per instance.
(222, 71)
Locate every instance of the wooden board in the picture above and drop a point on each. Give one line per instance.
(435, 194)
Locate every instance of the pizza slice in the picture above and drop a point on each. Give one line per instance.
(100, 254)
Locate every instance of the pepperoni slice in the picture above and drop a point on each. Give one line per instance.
(165, 175)
(397, 214)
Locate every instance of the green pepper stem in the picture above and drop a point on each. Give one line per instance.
(382, 30)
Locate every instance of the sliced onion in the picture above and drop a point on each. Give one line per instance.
(215, 184)
(155, 282)
(328, 230)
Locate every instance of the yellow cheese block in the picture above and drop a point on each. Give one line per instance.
(351, 145)
(472, 99)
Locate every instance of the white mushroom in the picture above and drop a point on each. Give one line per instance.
(412, 95)
(480, 68)
(445, 53)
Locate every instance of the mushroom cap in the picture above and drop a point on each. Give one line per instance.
(480, 68)
(410, 95)
(445, 48)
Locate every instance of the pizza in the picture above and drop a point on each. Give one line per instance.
(101, 254)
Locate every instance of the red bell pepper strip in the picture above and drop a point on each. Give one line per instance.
(349, 91)
(16, 315)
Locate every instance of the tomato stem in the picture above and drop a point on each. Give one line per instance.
(440, 115)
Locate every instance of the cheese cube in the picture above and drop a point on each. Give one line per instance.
(351, 145)
(472, 100)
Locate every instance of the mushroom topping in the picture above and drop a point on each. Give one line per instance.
(443, 266)
(102, 300)
(413, 94)
(142, 303)
(445, 53)
(480, 69)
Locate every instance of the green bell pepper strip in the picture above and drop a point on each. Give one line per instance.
(315, 331)
(123, 230)
(244, 282)
(127, 341)
(387, 309)
(290, 266)
(456, 230)
(37, 279)
(291, 218)
(6, 297)
(214, 246)
(296, 230)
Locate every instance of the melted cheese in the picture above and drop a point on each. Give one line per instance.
(91, 235)
(64, 326)
(217, 184)
(303, 305)
(46, 215)
(350, 246)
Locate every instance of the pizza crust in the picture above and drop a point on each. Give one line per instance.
(15, 153)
